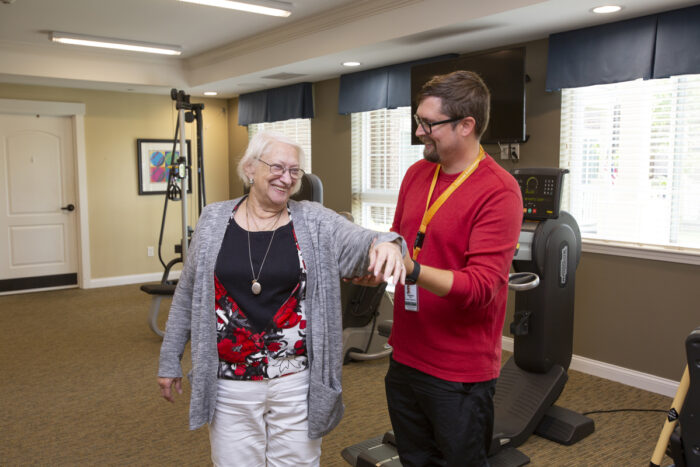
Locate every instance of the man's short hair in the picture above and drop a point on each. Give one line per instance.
(463, 94)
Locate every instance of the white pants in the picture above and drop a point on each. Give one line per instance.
(263, 423)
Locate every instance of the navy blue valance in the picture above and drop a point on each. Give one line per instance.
(387, 87)
(654, 46)
(610, 53)
(678, 43)
(273, 105)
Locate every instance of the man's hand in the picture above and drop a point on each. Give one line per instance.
(385, 263)
(369, 280)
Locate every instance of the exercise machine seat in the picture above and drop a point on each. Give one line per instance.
(360, 303)
(159, 289)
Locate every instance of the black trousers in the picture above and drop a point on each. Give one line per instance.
(438, 422)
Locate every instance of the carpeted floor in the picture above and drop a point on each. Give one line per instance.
(78, 388)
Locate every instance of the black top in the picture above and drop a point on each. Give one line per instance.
(280, 273)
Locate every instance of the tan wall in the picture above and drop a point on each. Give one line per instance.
(238, 141)
(122, 223)
(629, 312)
(330, 140)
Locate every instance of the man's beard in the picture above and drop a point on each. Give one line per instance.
(430, 151)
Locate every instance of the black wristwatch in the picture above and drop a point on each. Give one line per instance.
(413, 277)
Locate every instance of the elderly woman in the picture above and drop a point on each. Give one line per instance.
(259, 297)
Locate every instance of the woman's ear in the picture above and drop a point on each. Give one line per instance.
(249, 171)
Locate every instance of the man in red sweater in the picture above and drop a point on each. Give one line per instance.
(463, 213)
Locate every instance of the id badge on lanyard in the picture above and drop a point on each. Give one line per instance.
(410, 297)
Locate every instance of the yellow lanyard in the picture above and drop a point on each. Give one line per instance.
(430, 210)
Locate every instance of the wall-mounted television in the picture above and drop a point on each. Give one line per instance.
(503, 72)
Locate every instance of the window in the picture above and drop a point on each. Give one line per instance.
(381, 154)
(298, 129)
(633, 150)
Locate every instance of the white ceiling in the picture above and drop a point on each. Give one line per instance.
(234, 52)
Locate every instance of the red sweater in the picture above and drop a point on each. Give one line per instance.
(458, 337)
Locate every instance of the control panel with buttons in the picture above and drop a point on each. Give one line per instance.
(541, 190)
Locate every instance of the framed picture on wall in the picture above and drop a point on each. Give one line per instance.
(155, 156)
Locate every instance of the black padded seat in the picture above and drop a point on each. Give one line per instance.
(159, 289)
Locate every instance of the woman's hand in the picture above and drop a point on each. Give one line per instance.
(386, 262)
(166, 385)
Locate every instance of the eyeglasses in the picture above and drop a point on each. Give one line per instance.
(428, 126)
(277, 169)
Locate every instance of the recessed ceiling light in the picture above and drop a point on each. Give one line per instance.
(262, 7)
(210, 93)
(352, 63)
(132, 46)
(605, 9)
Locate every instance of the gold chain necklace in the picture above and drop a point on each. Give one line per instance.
(256, 287)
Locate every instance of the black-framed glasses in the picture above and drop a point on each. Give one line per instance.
(278, 169)
(428, 126)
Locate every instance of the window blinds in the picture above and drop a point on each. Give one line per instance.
(633, 150)
(381, 154)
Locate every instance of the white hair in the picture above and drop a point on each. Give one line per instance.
(258, 145)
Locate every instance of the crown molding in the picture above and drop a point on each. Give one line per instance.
(325, 21)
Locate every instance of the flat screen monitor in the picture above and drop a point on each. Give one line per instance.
(504, 74)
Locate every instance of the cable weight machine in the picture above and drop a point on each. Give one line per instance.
(177, 186)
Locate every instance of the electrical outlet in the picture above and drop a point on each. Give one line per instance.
(514, 151)
(150, 251)
(505, 151)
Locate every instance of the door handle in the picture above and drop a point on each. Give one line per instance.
(70, 207)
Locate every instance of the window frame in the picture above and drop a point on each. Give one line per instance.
(613, 248)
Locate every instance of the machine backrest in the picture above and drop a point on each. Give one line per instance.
(360, 304)
(311, 189)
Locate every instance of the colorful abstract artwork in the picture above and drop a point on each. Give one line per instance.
(160, 163)
(155, 157)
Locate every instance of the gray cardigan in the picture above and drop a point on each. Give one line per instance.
(332, 247)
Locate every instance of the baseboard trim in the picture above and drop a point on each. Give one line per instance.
(127, 280)
(19, 284)
(637, 379)
(43, 289)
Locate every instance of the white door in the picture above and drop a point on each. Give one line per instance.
(38, 237)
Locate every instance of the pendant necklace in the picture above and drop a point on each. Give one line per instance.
(256, 287)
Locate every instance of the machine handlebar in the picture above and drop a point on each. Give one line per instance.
(520, 281)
